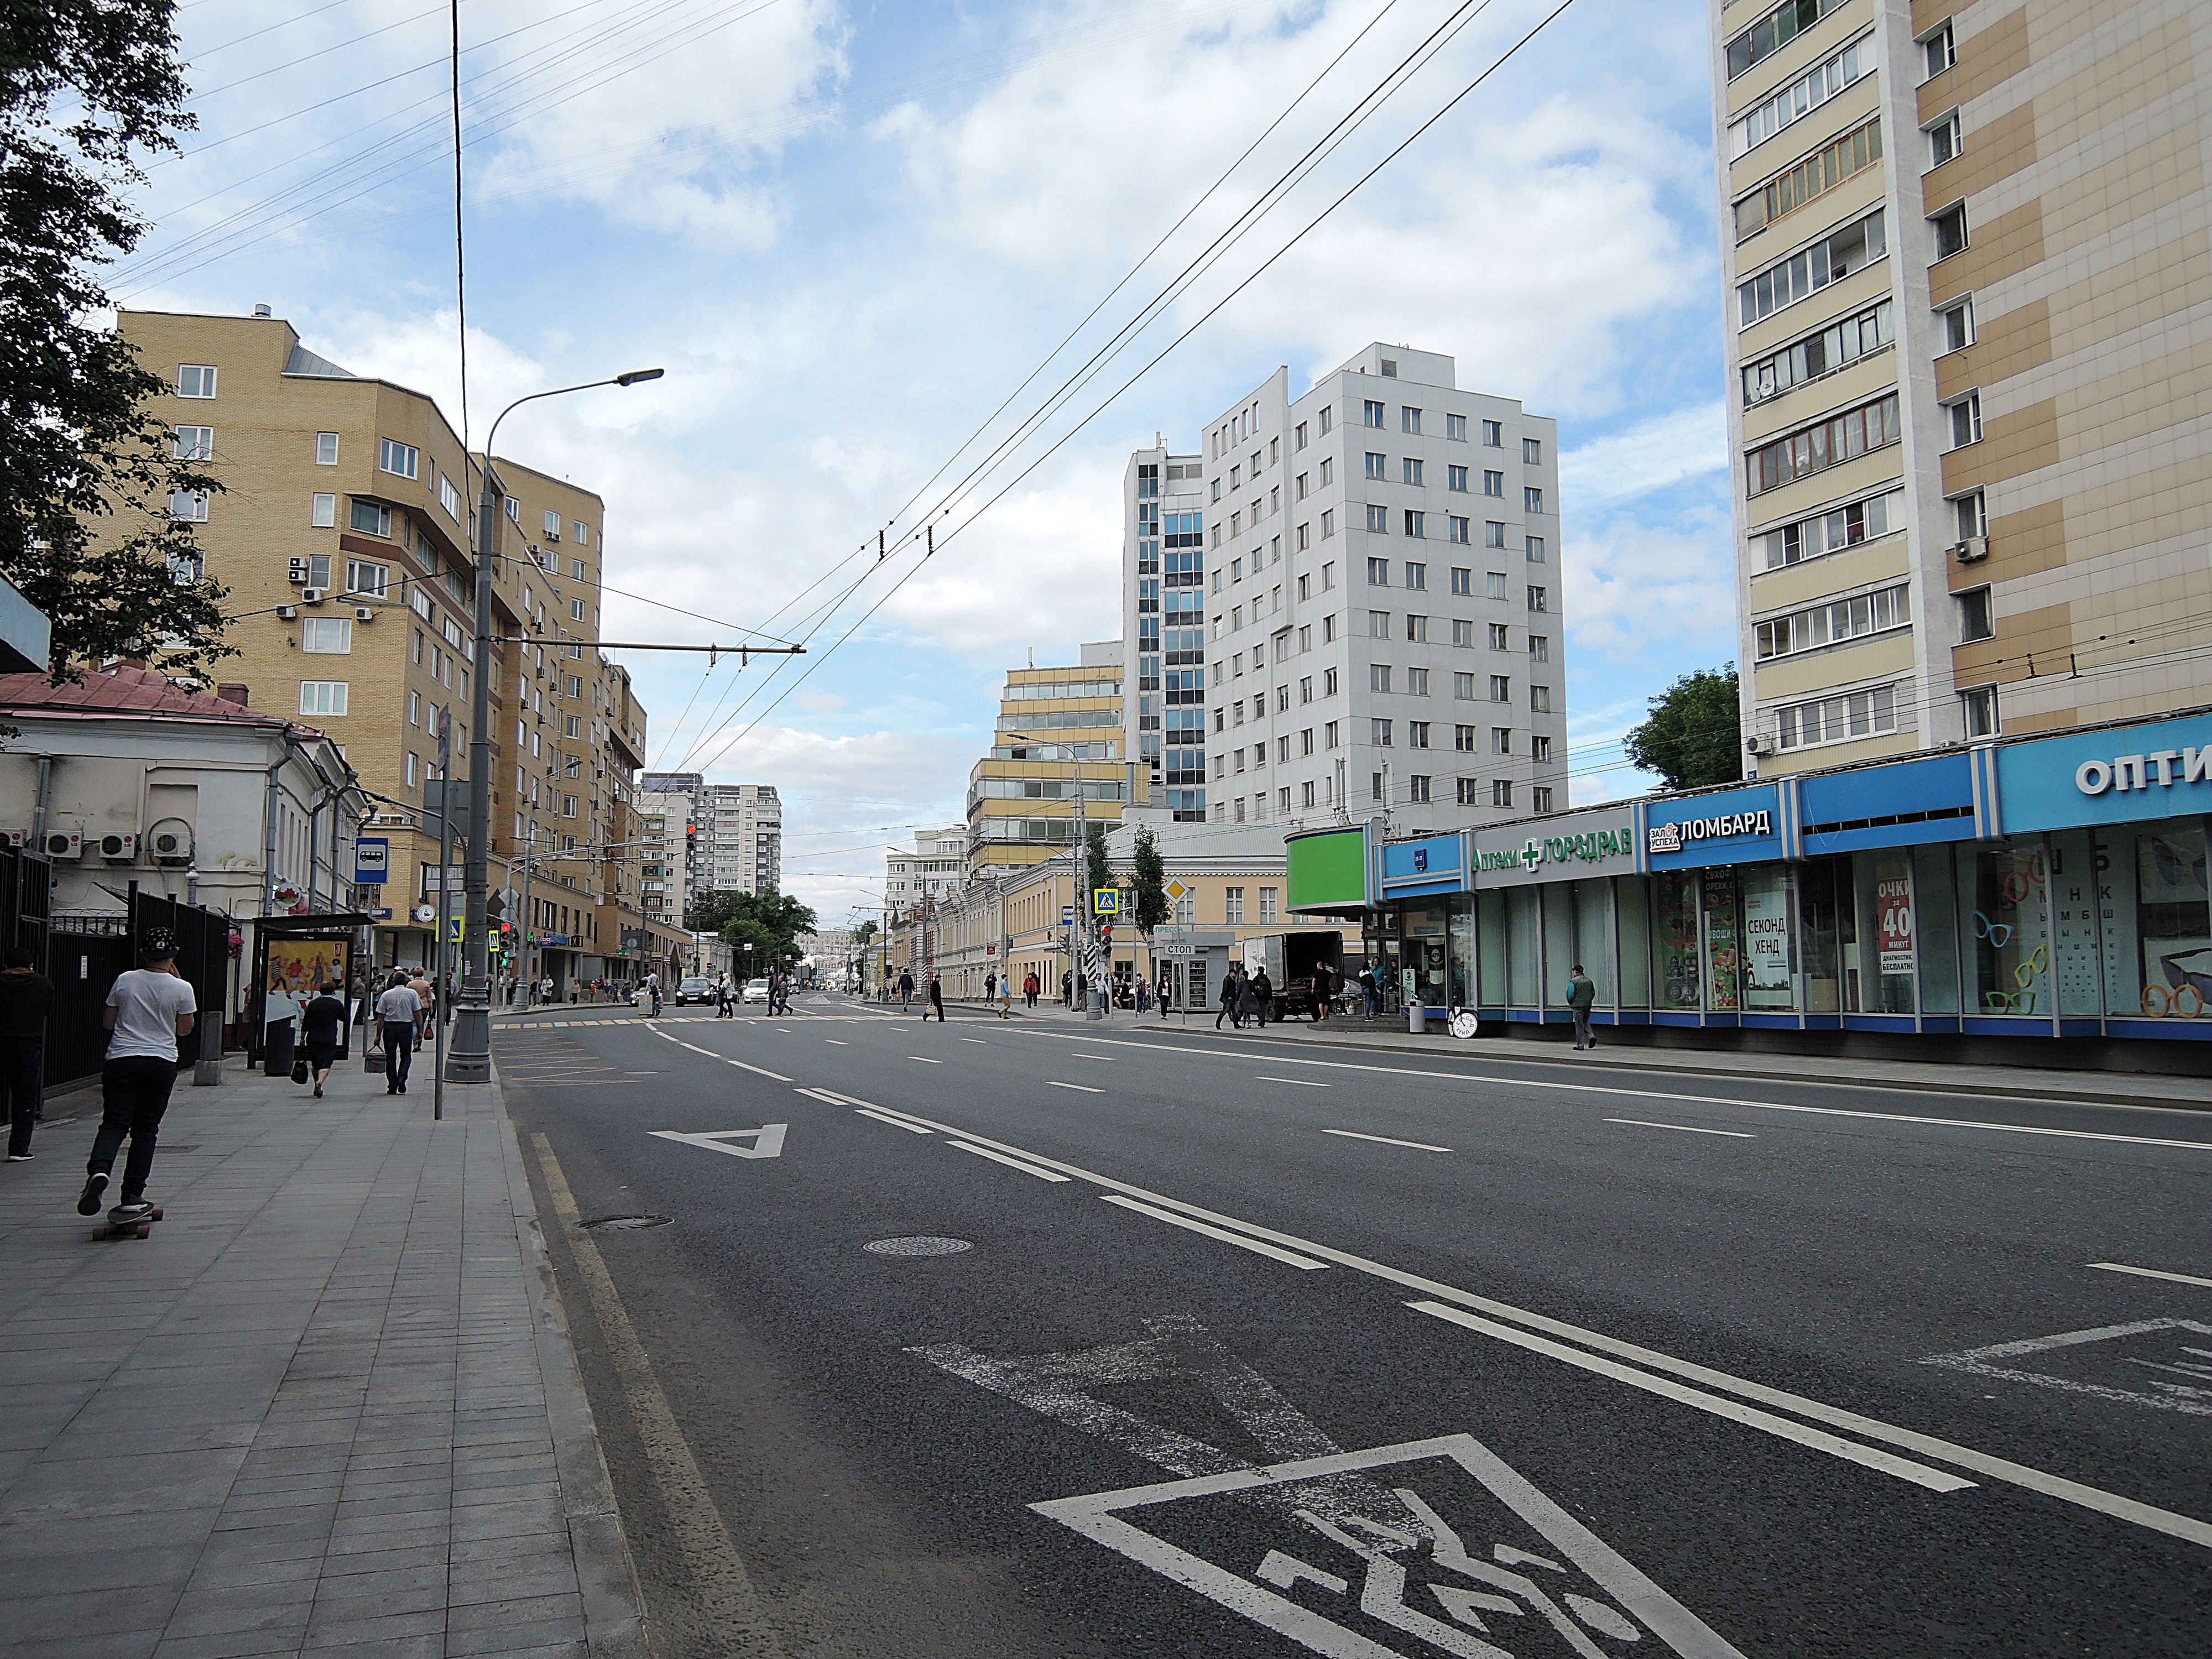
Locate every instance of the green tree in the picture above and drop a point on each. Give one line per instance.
(1692, 738)
(87, 471)
(863, 934)
(1152, 877)
(770, 922)
(1098, 868)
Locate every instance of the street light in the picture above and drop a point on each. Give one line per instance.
(469, 1061)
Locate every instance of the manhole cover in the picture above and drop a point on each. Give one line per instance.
(918, 1246)
(624, 1223)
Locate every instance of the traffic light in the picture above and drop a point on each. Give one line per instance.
(1106, 935)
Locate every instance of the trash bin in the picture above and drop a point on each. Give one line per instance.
(1417, 1017)
(277, 1048)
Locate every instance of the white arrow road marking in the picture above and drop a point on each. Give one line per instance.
(767, 1141)
(2152, 1273)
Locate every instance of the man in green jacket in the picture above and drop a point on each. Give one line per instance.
(1581, 992)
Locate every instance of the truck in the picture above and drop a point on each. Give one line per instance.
(1291, 961)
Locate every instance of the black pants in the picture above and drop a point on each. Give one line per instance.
(22, 1069)
(938, 1005)
(398, 1054)
(134, 1093)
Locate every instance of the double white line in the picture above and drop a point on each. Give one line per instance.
(915, 1125)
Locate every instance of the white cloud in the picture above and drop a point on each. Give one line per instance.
(1634, 587)
(1665, 450)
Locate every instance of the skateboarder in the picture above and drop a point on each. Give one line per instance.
(148, 1009)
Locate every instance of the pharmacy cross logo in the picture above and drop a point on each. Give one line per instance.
(1423, 1547)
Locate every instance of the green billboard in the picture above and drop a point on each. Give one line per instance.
(1327, 869)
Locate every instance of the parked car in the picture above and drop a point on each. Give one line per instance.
(755, 990)
(693, 990)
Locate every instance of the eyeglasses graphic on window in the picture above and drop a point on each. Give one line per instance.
(1999, 933)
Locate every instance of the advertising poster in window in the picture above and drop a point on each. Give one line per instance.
(1893, 904)
(1723, 944)
(1766, 977)
(1674, 917)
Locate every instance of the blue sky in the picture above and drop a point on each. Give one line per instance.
(849, 231)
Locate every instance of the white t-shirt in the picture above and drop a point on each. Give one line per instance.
(399, 1007)
(146, 1007)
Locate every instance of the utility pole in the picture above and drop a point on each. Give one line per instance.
(441, 990)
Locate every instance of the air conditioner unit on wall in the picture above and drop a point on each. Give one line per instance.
(119, 848)
(63, 844)
(312, 595)
(16, 838)
(299, 572)
(1754, 746)
(170, 842)
(364, 613)
(287, 613)
(1973, 551)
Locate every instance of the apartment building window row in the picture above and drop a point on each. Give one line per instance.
(401, 460)
(1834, 623)
(1803, 96)
(1818, 355)
(1775, 31)
(1809, 269)
(1837, 528)
(1833, 165)
(1837, 719)
(1827, 443)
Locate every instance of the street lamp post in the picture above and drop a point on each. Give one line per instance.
(469, 1061)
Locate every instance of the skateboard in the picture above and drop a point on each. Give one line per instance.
(137, 1226)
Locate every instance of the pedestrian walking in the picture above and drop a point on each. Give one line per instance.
(1005, 996)
(1030, 989)
(1263, 997)
(398, 1010)
(1248, 1001)
(1370, 986)
(149, 1008)
(936, 999)
(1581, 992)
(1228, 1001)
(1144, 996)
(322, 1025)
(1066, 989)
(26, 996)
(419, 984)
(906, 988)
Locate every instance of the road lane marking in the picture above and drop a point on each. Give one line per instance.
(1000, 1158)
(838, 1042)
(1303, 1083)
(975, 1040)
(1259, 1246)
(1695, 1100)
(2148, 1515)
(768, 1140)
(1686, 1128)
(1819, 1440)
(1079, 1088)
(895, 1123)
(2152, 1273)
(1417, 1145)
(711, 1560)
(926, 1060)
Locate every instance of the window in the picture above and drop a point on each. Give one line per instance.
(1378, 466)
(1971, 519)
(402, 460)
(1326, 425)
(1298, 437)
(1417, 734)
(1305, 689)
(1965, 419)
(1841, 527)
(1267, 894)
(1463, 739)
(1942, 140)
(1493, 483)
(1499, 636)
(1417, 682)
(1501, 689)
(1372, 415)
(1328, 682)
(1539, 699)
(415, 654)
(1539, 648)
(1463, 687)
(1501, 792)
(322, 512)
(414, 773)
(1940, 50)
(1539, 748)
(332, 635)
(413, 708)
(1416, 524)
(1978, 706)
(1416, 577)
(1835, 719)
(1379, 625)
(192, 443)
(1328, 629)
(1957, 323)
(1305, 587)
(1976, 620)
(1540, 797)
(1409, 420)
(196, 380)
(1493, 434)
(1533, 548)
(1829, 443)
(1803, 96)
(1532, 498)
(1455, 478)
(1417, 788)
(575, 610)
(552, 526)
(576, 566)
(1775, 31)
(1328, 735)
(1815, 177)
(1233, 901)
(1378, 676)
(1462, 529)
(1818, 355)
(1417, 630)
(325, 697)
(372, 580)
(1833, 623)
(189, 506)
(1411, 470)
(1463, 579)
(1493, 584)
(449, 498)
(1950, 228)
(1378, 733)
(1810, 269)
(1329, 524)
(1493, 532)
(1501, 739)
(1379, 573)
(1532, 452)
(326, 449)
(1538, 600)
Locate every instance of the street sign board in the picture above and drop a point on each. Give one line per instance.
(1174, 952)
(443, 878)
(1106, 901)
(1176, 890)
(452, 930)
(1068, 915)
(372, 860)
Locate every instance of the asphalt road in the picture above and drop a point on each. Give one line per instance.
(1264, 1348)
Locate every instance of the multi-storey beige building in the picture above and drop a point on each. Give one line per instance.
(1966, 257)
(1059, 735)
(345, 534)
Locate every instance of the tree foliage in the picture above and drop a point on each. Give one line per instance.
(770, 922)
(863, 934)
(1692, 739)
(1098, 868)
(87, 471)
(1152, 877)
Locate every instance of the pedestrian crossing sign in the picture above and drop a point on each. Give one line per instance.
(1106, 902)
(452, 930)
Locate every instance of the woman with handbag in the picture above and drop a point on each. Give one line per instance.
(320, 1025)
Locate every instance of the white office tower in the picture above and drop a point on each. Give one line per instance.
(1383, 607)
(1163, 622)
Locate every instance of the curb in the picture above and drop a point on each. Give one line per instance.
(614, 1606)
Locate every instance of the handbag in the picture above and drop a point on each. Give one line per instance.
(299, 1070)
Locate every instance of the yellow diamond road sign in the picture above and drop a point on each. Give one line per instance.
(1176, 889)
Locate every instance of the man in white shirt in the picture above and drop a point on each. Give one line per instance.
(396, 1011)
(148, 1009)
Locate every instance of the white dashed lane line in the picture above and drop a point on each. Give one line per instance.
(1258, 1246)
(1079, 1088)
(2153, 1273)
(1011, 1163)
(926, 1060)
(1417, 1145)
(1686, 1128)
